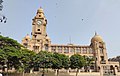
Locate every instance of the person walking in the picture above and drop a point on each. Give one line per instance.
(1, 74)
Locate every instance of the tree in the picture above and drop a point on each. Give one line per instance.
(10, 52)
(88, 62)
(57, 62)
(43, 60)
(26, 60)
(8, 42)
(60, 61)
(2, 58)
(12, 57)
(65, 61)
(77, 62)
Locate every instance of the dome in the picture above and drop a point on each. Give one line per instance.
(40, 10)
(27, 36)
(96, 38)
(48, 38)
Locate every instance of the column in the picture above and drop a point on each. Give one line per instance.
(101, 71)
(115, 69)
(105, 53)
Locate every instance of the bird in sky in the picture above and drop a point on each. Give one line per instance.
(82, 19)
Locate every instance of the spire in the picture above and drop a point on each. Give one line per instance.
(40, 10)
(95, 33)
(70, 39)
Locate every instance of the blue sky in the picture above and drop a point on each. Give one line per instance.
(65, 20)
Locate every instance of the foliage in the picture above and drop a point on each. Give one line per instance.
(77, 62)
(60, 61)
(15, 55)
(88, 62)
(43, 60)
(26, 59)
(57, 61)
(9, 52)
(8, 42)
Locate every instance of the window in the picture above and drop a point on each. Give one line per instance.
(46, 47)
(53, 49)
(38, 29)
(66, 50)
(35, 48)
(77, 50)
(101, 50)
(84, 50)
(39, 15)
(102, 58)
(90, 51)
(25, 44)
(59, 49)
(38, 40)
(26, 39)
(72, 50)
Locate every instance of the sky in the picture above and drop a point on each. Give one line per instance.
(67, 19)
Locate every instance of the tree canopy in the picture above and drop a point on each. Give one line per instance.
(77, 62)
(13, 54)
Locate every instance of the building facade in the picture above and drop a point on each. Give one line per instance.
(41, 41)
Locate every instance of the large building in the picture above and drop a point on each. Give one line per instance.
(41, 41)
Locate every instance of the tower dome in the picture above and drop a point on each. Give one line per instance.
(40, 10)
(27, 37)
(48, 38)
(96, 38)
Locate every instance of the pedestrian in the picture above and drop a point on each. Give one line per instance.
(1, 74)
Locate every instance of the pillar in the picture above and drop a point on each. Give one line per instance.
(101, 71)
(115, 70)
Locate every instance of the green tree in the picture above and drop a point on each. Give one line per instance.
(88, 62)
(60, 61)
(12, 57)
(2, 58)
(57, 62)
(43, 60)
(10, 52)
(26, 60)
(65, 61)
(8, 42)
(77, 62)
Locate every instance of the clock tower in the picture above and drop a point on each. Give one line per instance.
(40, 40)
(39, 25)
